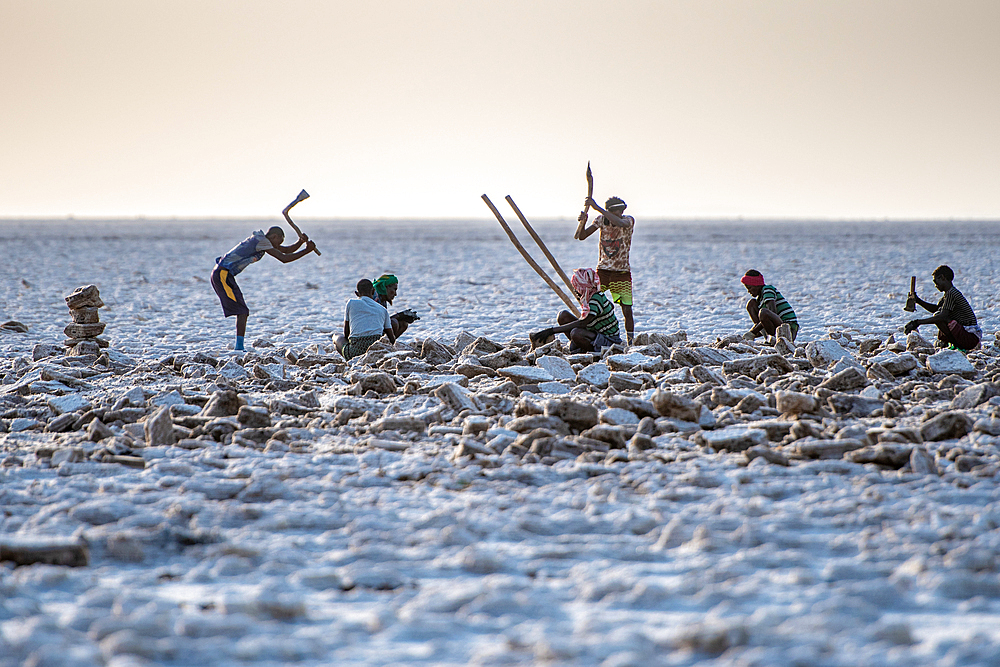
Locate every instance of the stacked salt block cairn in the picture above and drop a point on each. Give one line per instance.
(83, 333)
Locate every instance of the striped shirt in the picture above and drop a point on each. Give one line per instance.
(605, 321)
(955, 303)
(783, 309)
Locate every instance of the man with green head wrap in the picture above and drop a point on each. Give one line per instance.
(386, 286)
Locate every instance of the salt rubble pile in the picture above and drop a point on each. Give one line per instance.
(668, 407)
(870, 401)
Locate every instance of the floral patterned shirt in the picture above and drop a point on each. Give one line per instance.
(615, 243)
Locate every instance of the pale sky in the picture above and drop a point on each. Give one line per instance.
(787, 108)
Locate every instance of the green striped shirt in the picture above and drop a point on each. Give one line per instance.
(784, 310)
(605, 321)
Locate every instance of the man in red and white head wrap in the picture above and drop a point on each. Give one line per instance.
(597, 326)
(586, 284)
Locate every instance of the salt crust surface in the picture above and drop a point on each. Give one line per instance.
(700, 560)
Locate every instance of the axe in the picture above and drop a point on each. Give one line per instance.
(590, 193)
(302, 195)
(911, 298)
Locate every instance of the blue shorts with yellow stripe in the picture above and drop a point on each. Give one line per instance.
(229, 292)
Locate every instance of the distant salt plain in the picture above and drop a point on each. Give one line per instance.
(698, 562)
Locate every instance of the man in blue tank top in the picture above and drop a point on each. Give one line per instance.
(251, 250)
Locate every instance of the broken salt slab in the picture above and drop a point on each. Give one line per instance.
(950, 361)
(870, 392)
(558, 367)
(734, 438)
(233, 371)
(171, 398)
(619, 416)
(525, 374)
(69, 403)
(23, 424)
(434, 381)
(822, 353)
(897, 364)
(626, 362)
(597, 375)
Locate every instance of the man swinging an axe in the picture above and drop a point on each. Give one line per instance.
(616, 240)
(248, 251)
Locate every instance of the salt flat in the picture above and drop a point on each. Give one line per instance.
(461, 535)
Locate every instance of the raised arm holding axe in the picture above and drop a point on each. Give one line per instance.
(302, 196)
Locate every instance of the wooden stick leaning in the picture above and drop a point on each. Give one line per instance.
(572, 305)
(302, 195)
(586, 208)
(541, 244)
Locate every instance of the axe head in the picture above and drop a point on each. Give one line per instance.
(302, 195)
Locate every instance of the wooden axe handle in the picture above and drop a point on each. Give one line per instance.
(911, 298)
(590, 193)
(289, 218)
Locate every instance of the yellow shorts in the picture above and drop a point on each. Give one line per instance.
(619, 283)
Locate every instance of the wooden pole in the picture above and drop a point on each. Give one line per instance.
(572, 305)
(541, 244)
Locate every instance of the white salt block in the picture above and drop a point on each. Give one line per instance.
(822, 353)
(597, 375)
(950, 361)
(526, 374)
(558, 367)
(69, 403)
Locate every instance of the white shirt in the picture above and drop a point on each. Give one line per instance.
(367, 317)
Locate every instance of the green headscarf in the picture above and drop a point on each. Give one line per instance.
(382, 283)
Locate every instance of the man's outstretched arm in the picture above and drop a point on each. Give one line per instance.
(943, 316)
(566, 328)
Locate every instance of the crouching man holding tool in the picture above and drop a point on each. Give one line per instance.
(953, 316)
(768, 310)
(386, 286)
(597, 326)
(365, 321)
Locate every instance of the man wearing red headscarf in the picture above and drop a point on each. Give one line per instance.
(767, 309)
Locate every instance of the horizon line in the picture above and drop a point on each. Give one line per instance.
(696, 218)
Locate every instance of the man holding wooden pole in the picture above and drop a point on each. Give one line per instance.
(615, 243)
